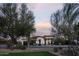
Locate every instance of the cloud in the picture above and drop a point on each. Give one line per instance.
(35, 6)
(45, 6)
(43, 25)
(43, 28)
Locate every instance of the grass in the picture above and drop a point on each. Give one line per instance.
(41, 53)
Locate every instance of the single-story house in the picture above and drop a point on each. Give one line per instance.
(42, 40)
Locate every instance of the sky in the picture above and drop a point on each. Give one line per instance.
(42, 13)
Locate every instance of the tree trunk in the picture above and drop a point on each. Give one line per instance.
(13, 39)
(28, 42)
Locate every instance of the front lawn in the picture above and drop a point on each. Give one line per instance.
(42, 53)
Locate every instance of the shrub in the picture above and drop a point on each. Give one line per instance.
(32, 42)
(55, 49)
(2, 41)
(58, 41)
(19, 46)
(9, 44)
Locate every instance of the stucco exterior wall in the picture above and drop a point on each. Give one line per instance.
(42, 41)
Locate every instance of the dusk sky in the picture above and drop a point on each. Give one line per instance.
(42, 13)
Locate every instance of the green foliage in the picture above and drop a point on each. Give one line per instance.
(10, 14)
(7, 42)
(10, 43)
(19, 46)
(76, 29)
(59, 40)
(26, 22)
(32, 42)
(55, 49)
(2, 41)
(67, 23)
(16, 24)
(65, 20)
(9, 18)
(2, 24)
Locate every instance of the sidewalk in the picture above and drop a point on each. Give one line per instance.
(56, 53)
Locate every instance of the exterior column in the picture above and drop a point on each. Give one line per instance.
(51, 41)
(45, 42)
(22, 42)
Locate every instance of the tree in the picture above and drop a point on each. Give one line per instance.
(69, 13)
(76, 29)
(2, 24)
(26, 23)
(56, 20)
(10, 15)
(17, 24)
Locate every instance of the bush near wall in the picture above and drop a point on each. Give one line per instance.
(19, 46)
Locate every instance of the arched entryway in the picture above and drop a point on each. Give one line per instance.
(40, 41)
